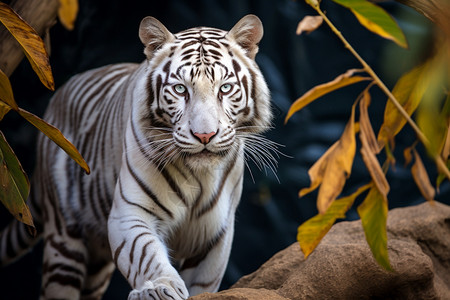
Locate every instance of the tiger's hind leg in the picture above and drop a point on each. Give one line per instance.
(64, 268)
(99, 270)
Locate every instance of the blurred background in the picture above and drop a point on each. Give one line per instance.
(270, 210)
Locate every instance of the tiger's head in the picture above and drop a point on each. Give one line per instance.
(205, 94)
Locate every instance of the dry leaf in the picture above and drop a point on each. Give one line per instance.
(310, 233)
(333, 168)
(421, 178)
(318, 91)
(67, 13)
(6, 93)
(309, 24)
(56, 136)
(370, 148)
(407, 155)
(32, 44)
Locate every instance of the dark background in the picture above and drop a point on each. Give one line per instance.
(270, 211)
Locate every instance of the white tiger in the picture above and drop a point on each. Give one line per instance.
(165, 140)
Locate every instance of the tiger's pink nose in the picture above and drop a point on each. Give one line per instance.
(205, 137)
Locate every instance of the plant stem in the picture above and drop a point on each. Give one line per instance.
(440, 163)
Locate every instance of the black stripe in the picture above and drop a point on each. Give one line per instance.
(144, 254)
(66, 252)
(133, 245)
(215, 198)
(46, 268)
(135, 204)
(194, 261)
(118, 251)
(147, 189)
(65, 280)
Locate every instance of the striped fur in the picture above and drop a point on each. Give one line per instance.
(166, 141)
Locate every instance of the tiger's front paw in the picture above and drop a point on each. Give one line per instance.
(161, 289)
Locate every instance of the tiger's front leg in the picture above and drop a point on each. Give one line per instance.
(139, 252)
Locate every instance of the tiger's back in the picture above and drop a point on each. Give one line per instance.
(84, 109)
(166, 141)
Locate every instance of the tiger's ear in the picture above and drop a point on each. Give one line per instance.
(247, 33)
(153, 35)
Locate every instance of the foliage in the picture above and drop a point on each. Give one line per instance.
(421, 91)
(15, 186)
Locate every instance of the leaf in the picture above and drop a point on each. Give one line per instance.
(14, 184)
(6, 93)
(432, 112)
(312, 231)
(318, 91)
(309, 24)
(333, 168)
(409, 91)
(67, 13)
(375, 19)
(56, 136)
(442, 176)
(4, 109)
(407, 155)
(369, 147)
(373, 213)
(32, 44)
(421, 178)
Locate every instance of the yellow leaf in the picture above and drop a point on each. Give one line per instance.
(373, 212)
(409, 91)
(311, 232)
(365, 124)
(4, 109)
(67, 13)
(407, 155)
(56, 136)
(318, 91)
(375, 19)
(309, 24)
(32, 44)
(14, 184)
(421, 178)
(370, 147)
(6, 93)
(317, 171)
(430, 117)
(333, 168)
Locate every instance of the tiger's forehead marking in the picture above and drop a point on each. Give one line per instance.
(201, 52)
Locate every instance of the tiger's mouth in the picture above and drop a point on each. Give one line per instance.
(205, 153)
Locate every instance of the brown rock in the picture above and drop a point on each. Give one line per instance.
(342, 266)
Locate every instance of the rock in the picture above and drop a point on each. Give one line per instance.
(342, 266)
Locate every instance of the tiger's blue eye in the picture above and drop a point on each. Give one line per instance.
(225, 88)
(180, 89)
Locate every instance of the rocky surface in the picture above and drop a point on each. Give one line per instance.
(342, 266)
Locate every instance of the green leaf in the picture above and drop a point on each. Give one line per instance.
(31, 43)
(312, 231)
(432, 112)
(14, 184)
(318, 91)
(56, 136)
(375, 19)
(373, 212)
